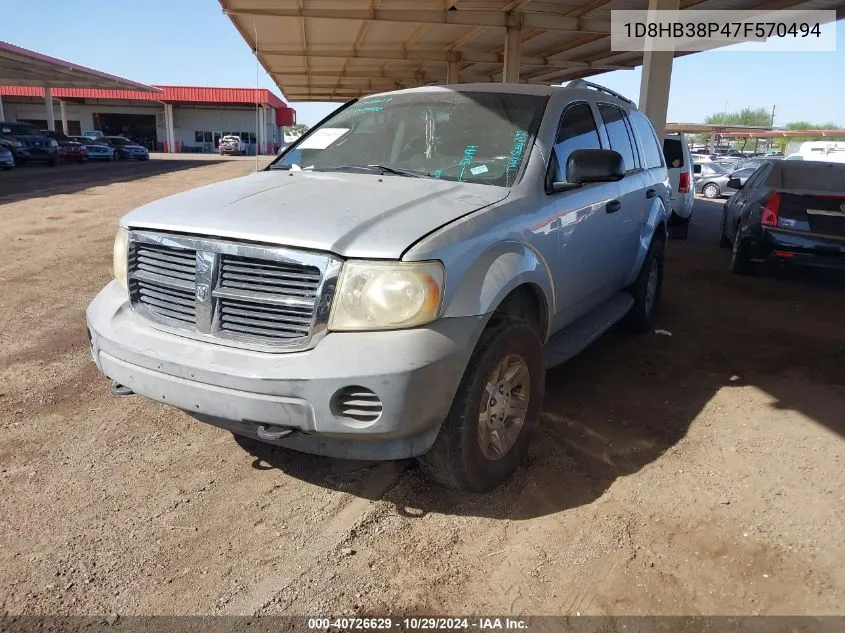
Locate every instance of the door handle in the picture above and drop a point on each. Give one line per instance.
(613, 206)
(650, 193)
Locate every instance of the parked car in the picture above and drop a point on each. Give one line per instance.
(742, 175)
(7, 158)
(28, 144)
(711, 180)
(97, 148)
(69, 150)
(679, 166)
(127, 148)
(424, 271)
(231, 146)
(787, 211)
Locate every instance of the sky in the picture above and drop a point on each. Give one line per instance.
(191, 42)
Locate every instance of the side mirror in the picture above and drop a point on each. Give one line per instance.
(591, 165)
(734, 183)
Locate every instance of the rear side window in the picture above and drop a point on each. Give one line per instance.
(673, 152)
(577, 130)
(652, 155)
(617, 132)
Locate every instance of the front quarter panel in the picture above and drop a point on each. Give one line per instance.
(493, 275)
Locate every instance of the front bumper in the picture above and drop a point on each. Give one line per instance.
(414, 373)
(797, 247)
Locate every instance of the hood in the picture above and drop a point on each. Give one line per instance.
(352, 215)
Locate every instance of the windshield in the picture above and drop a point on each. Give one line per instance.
(480, 137)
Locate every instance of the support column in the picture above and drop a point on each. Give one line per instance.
(452, 68)
(63, 116)
(262, 131)
(2, 113)
(513, 41)
(657, 75)
(168, 128)
(48, 109)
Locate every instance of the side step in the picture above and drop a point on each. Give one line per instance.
(581, 334)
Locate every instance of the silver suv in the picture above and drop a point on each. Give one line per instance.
(396, 283)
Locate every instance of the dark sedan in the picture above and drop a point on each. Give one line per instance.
(28, 144)
(787, 211)
(127, 148)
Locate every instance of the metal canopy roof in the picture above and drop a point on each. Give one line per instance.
(22, 67)
(329, 50)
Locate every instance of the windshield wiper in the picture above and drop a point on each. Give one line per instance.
(377, 169)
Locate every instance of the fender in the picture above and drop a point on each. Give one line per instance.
(657, 214)
(494, 274)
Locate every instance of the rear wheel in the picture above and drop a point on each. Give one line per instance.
(740, 264)
(647, 289)
(711, 190)
(487, 432)
(679, 227)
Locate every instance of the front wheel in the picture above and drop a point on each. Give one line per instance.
(724, 241)
(647, 289)
(486, 435)
(740, 263)
(711, 191)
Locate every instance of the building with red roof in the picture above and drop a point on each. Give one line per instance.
(178, 118)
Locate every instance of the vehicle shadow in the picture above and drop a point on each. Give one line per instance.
(627, 400)
(38, 180)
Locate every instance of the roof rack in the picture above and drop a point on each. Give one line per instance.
(581, 83)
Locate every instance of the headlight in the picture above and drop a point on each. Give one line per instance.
(54, 143)
(17, 143)
(386, 295)
(121, 247)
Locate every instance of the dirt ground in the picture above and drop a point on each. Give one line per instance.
(698, 473)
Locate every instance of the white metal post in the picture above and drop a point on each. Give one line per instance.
(2, 113)
(168, 127)
(262, 131)
(48, 109)
(513, 40)
(63, 116)
(657, 75)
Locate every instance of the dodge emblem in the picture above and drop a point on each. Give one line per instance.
(202, 292)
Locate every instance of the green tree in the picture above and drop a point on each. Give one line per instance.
(805, 125)
(756, 117)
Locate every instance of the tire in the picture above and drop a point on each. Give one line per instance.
(740, 264)
(457, 459)
(647, 289)
(724, 241)
(679, 227)
(54, 162)
(711, 190)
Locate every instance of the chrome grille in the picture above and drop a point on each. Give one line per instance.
(266, 298)
(163, 280)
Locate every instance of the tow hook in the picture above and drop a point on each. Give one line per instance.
(277, 433)
(119, 390)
